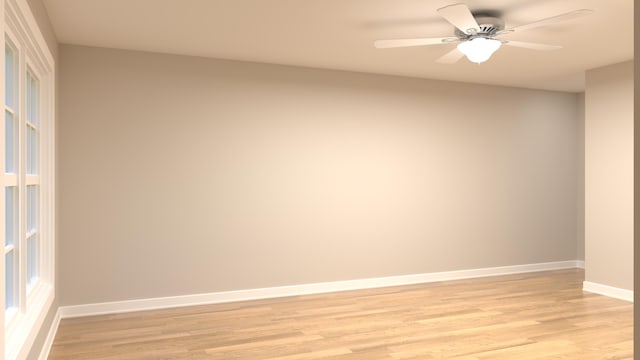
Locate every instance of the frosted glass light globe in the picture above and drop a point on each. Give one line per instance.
(480, 49)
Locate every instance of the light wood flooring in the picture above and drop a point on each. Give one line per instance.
(542, 315)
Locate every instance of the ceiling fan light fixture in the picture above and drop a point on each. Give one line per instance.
(479, 50)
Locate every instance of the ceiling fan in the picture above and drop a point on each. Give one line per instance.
(476, 34)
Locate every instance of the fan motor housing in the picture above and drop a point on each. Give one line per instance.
(489, 25)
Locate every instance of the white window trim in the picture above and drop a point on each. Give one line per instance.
(23, 328)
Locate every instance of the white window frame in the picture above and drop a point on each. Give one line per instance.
(20, 330)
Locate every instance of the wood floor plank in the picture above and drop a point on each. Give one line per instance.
(542, 315)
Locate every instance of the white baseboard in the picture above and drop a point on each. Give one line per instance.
(580, 264)
(304, 289)
(48, 342)
(606, 290)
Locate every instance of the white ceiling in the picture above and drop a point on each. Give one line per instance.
(338, 34)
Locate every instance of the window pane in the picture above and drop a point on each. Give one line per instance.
(32, 150)
(9, 71)
(32, 208)
(33, 99)
(32, 259)
(9, 287)
(10, 215)
(10, 144)
(32, 235)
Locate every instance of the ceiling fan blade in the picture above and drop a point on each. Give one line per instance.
(461, 17)
(550, 20)
(451, 57)
(533, 46)
(384, 44)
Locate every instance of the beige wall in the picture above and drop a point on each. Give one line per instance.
(580, 187)
(44, 23)
(636, 183)
(609, 176)
(187, 175)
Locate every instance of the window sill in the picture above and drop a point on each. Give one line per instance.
(24, 327)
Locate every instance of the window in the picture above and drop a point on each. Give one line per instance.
(11, 182)
(28, 180)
